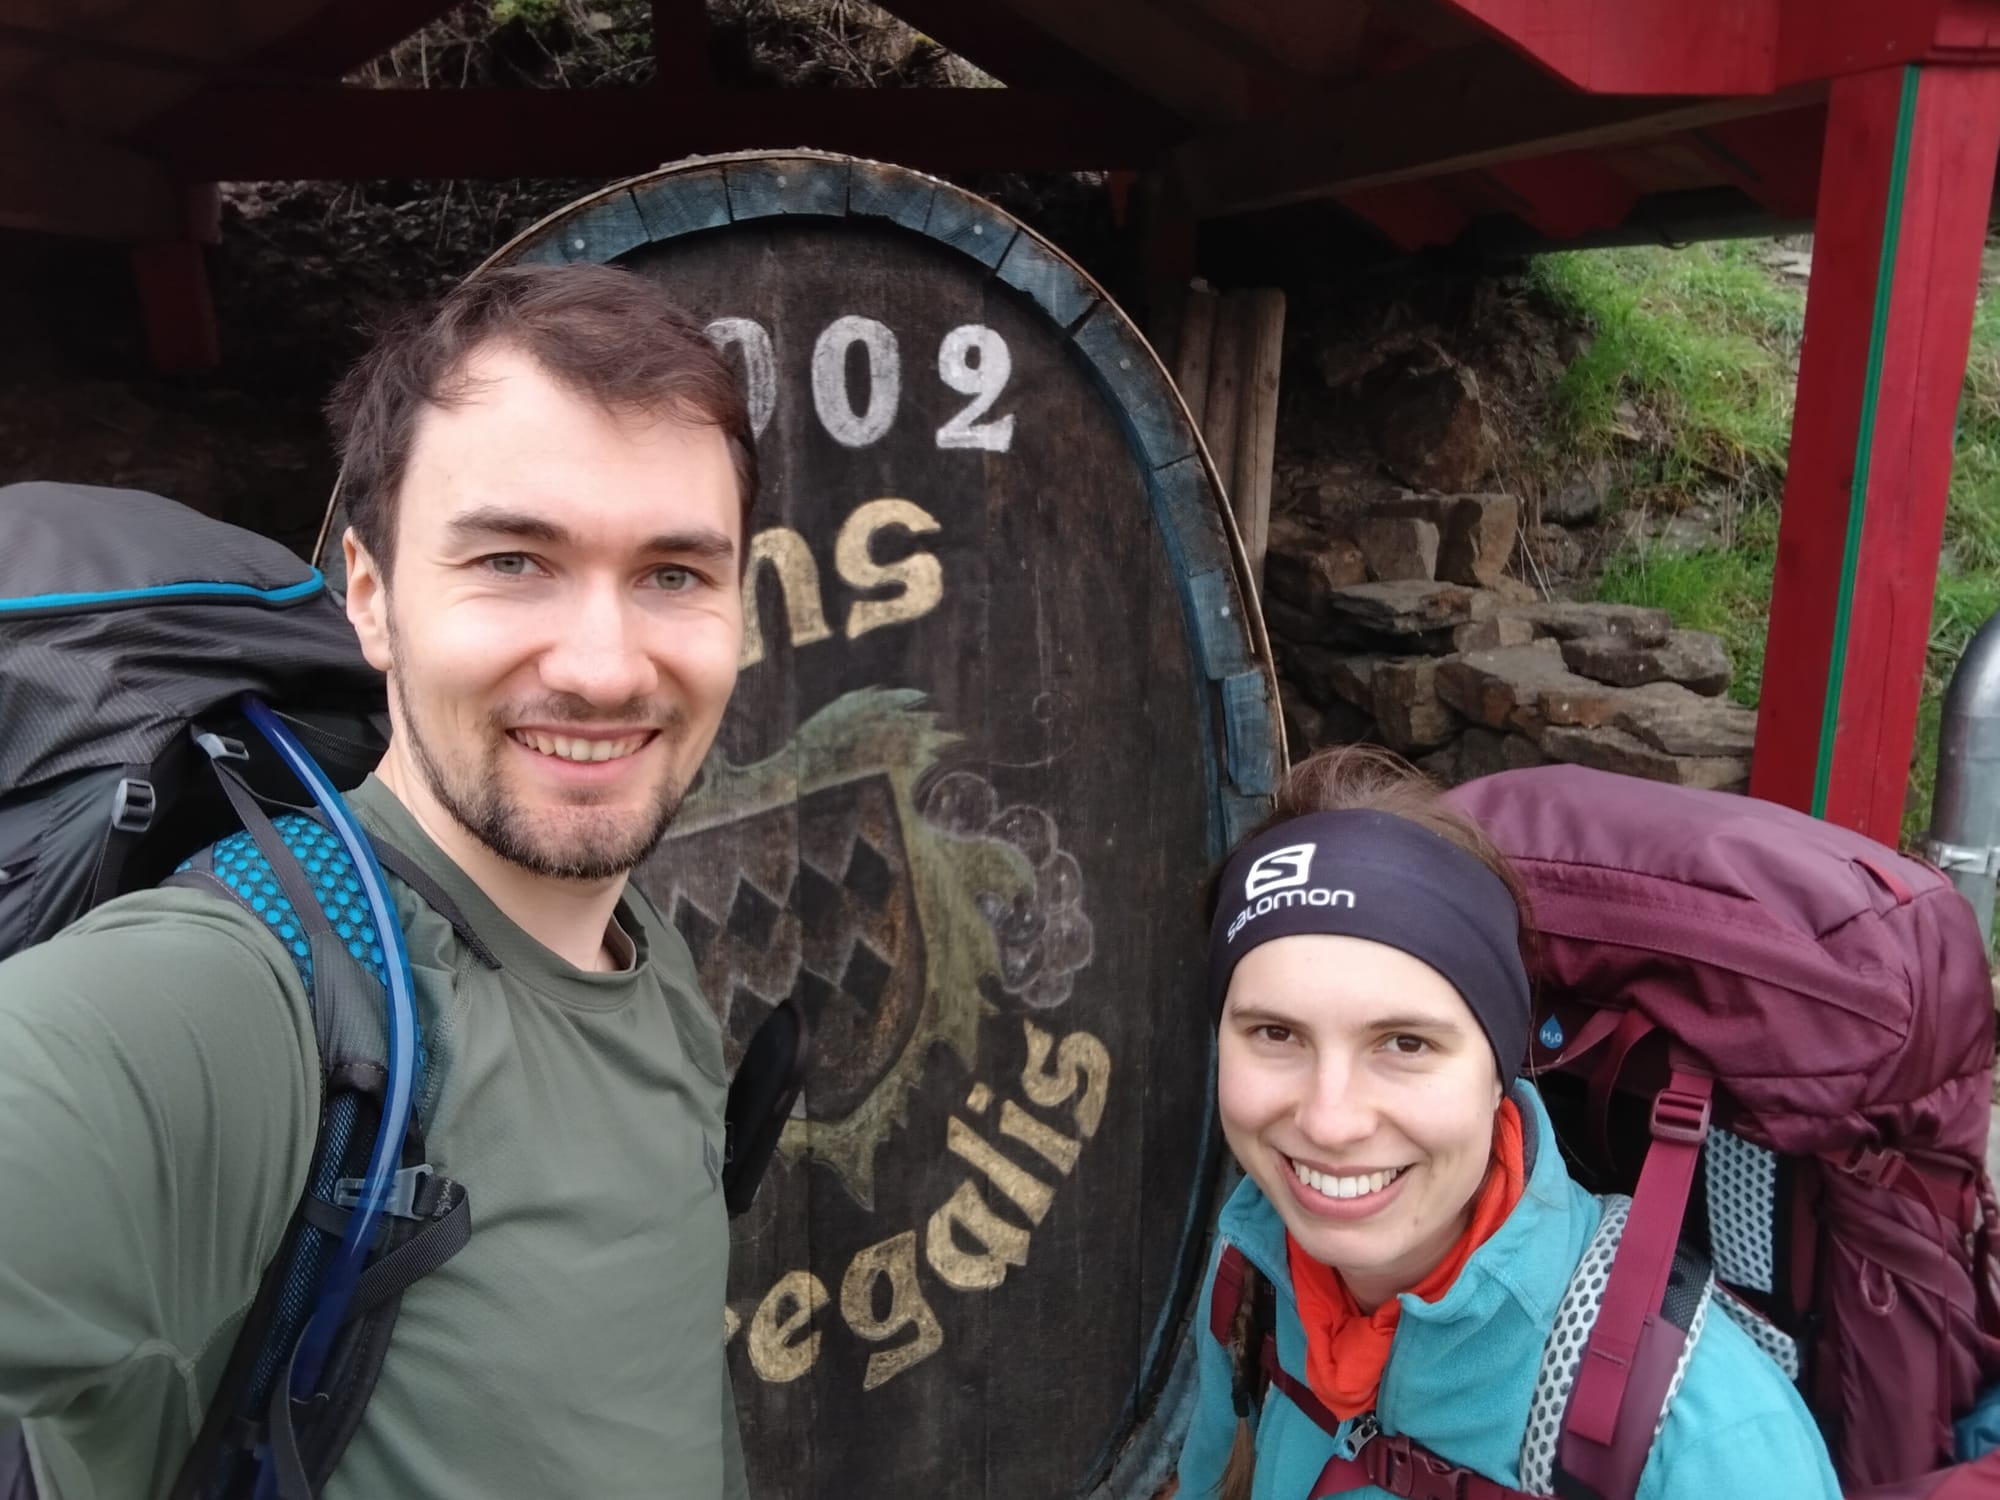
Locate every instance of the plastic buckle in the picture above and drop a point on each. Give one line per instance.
(1414, 1474)
(1680, 1117)
(133, 806)
(1877, 1166)
(401, 1198)
(222, 747)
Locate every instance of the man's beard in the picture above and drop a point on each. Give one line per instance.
(592, 844)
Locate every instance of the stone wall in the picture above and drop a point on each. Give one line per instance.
(1396, 620)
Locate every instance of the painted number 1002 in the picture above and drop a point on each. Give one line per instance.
(972, 360)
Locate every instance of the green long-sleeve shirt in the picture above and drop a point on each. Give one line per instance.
(158, 1100)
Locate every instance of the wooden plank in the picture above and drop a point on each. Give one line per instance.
(786, 185)
(1022, 55)
(1160, 55)
(876, 191)
(682, 202)
(680, 46)
(1774, 158)
(1196, 348)
(607, 229)
(1482, 106)
(1050, 278)
(1221, 414)
(969, 224)
(1640, 46)
(1568, 194)
(59, 183)
(1216, 607)
(1896, 262)
(1707, 46)
(1132, 375)
(93, 85)
(340, 36)
(174, 302)
(1412, 215)
(1190, 520)
(1253, 755)
(1263, 351)
(251, 133)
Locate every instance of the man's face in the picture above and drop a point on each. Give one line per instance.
(562, 633)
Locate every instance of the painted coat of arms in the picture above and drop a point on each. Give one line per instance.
(897, 898)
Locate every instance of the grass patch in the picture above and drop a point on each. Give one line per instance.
(1687, 379)
(1687, 386)
(1725, 592)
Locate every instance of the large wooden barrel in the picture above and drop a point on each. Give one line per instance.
(1001, 708)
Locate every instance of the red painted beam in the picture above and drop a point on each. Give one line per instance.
(1905, 188)
(1411, 215)
(347, 33)
(680, 46)
(1706, 46)
(176, 308)
(237, 133)
(1776, 159)
(1566, 195)
(171, 279)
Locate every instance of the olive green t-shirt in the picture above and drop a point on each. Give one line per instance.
(159, 1095)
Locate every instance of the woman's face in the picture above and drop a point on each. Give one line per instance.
(1358, 1091)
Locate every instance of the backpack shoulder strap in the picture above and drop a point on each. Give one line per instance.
(1689, 1296)
(292, 873)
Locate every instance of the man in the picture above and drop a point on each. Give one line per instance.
(549, 481)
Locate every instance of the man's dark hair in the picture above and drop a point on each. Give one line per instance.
(608, 335)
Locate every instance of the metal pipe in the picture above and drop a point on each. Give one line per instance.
(1964, 840)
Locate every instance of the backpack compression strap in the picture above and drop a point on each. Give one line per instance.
(1643, 1331)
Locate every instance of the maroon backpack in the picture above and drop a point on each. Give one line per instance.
(1792, 1028)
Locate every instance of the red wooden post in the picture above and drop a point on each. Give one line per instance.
(1904, 190)
(174, 301)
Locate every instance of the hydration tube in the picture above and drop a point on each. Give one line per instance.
(359, 1236)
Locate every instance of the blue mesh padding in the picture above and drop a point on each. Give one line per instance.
(241, 866)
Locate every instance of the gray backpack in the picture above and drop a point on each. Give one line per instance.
(168, 684)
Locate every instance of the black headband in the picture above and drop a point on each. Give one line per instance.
(1365, 874)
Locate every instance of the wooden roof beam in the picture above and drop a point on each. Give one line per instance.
(344, 34)
(59, 183)
(238, 133)
(1459, 111)
(1707, 46)
(1156, 52)
(1021, 55)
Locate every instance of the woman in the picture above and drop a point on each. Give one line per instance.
(1403, 1196)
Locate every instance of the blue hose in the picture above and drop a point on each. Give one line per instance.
(358, 1238)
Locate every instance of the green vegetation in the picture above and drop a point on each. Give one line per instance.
(1687, 387)
(528, 12)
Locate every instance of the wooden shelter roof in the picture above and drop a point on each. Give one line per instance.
(1413, 119)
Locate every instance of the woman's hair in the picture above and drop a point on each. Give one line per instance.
(1344, 778)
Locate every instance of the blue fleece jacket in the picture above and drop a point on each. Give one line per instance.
(1462, 1370)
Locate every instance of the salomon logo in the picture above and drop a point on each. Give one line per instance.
(1264, 905)
(1279, 869)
